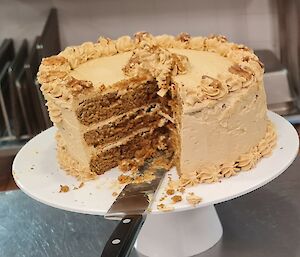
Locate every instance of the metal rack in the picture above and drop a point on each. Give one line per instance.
(23, 113)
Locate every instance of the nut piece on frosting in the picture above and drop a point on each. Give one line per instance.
(243, 72)
(78, 86)
(152, 61)
(183, 37)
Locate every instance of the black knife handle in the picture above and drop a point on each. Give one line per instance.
(122, 239)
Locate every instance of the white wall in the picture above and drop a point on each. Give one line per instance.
(252, 22)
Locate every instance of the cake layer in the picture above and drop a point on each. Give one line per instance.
(102, 107)
(143, 145)
(124, 126)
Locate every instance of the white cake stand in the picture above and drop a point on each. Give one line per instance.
(186, 230)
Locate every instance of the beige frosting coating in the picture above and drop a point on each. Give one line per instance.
(104, 70)
(219, 134)
(212, 173)
(201, 63)
(71, 131)
(70, 163)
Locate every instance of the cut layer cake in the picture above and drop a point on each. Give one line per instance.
(197, 101)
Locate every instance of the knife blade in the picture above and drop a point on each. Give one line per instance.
(131, 207)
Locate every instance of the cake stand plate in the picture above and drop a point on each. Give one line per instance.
(186, 230)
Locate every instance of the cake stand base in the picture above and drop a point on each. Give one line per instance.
(179, 234)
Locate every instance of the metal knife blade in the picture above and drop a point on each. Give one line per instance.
(135, 198)
(131, 208)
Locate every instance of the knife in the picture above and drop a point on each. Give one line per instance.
(131, 207)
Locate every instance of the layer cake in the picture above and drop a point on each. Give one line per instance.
(197, 101)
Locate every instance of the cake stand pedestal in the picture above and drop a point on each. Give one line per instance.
(180, 234)
(187, 230)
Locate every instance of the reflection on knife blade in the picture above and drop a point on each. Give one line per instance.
(135, 198)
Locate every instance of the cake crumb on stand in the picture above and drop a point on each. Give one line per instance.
(124, 179)
(164, 207)
(176, 198)
(170, 191)
(80, 186)
(64, 189)
(193, 199)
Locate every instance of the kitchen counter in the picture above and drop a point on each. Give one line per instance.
(263, 223)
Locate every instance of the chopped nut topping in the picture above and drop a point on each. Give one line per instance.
(183, 37)
(220, 38)
(246, 59)
(54, 60)
(243, 47)
(238, 70)
(51, 76)
(77, 86)
(101, 88)
(140, 36)
(64, 189)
